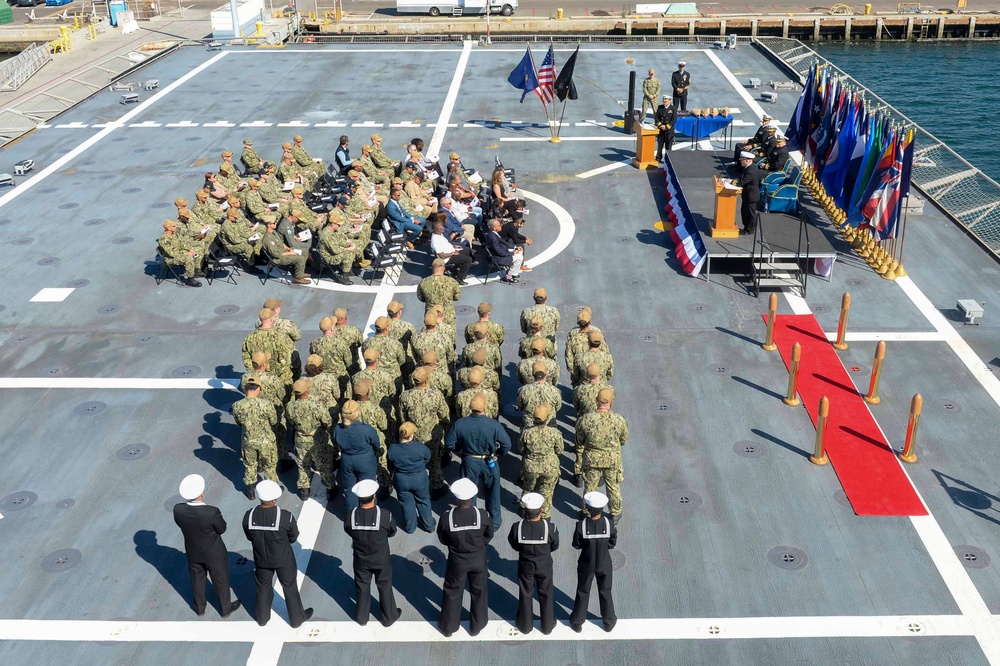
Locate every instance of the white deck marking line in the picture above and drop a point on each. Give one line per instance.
(72, 125)
(368, 123)
(42, 126)
(405, 123)
(183, 123)
(219, 123)
(146, 123)
(52, 295)
(256, 123)
(891, 336)
(569, 138)
(330, 123)
(735, 83)
(323, 51)
(268, 640)
(604, 169)
(265, 652)
(80, 149)
(437, 139)
(117, 383)
(446, 125)
(294, 123)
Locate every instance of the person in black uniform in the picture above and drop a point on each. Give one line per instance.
(778, 153)
(749, 180)
(409, 461)
(203, 526)
(481, 441)
(680, 81)
(359, 450)
(664, 119)
(465, 530)
(594, 537)
(371, 528)
(534, 538)
(272, 532)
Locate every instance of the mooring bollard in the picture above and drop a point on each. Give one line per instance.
(792, 398)
(819, 455)
(845, 309)
(916, 405)
(872, 397)
(772, 309)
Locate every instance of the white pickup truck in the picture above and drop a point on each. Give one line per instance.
(456, 7)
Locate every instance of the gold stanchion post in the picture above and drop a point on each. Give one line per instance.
(845, 309)
(792, 399)
(772, 310)
(819, 455)
(916, 405)
(872, 397)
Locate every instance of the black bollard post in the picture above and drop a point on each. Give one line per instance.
(630, 114)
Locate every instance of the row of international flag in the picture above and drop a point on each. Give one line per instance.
(545, 83)
(863, 160)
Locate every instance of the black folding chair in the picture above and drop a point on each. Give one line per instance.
(491, 263)
(221, 259)
(381, 260)
(165, 271)
(266, 274)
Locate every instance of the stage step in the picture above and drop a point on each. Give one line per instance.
(778, 282)
(784, 266)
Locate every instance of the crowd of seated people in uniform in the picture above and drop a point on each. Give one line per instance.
(299, 212)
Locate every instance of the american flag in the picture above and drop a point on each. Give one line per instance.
(546, 77)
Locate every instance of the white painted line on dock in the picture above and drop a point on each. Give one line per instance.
(72, 125)
(183, 123)
(368, 123)
(891, 336)
(145, 123)
(405, 124)
(117, 383)
(604, 169)
(447, 125)
(330, 123)
(52, 295)
(266, 640)
(256, 123)
(437, 139)
(294, 123)
(516, 139)
(470, 125)
(42, 126)
(220, 123)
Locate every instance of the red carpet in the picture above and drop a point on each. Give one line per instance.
(868, 469)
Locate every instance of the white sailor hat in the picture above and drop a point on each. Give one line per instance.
(464, 489)
(596, 499)
(682, 64)
(192, 486)
(778, 136)
(268, 490)
(746, 155)
(365, 488)
(532, 501)
(765, 117)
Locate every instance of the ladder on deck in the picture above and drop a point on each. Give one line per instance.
(768, 272)
(456, 11)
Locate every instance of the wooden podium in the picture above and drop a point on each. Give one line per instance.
(724, 223)
(645, 147)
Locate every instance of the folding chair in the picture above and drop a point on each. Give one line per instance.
(380, 259)
(324, 266)
(267, 272)
(491, 264)
(390, 246)
(221, 259)
(394, 236)
(165, 271)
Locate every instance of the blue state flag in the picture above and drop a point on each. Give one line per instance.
(523, 76)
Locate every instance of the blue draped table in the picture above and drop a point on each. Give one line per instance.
(697, 127)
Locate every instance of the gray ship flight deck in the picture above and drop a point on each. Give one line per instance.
(734, 548)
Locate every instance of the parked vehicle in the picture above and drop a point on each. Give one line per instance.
(456, 7)
(57, 3)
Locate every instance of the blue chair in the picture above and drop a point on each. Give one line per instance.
(777, 177)
(785, 197)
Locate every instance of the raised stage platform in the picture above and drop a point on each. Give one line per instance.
(781, 231)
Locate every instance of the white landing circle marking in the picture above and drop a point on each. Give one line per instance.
(567, 229)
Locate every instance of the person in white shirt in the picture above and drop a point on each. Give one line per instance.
(458, 258)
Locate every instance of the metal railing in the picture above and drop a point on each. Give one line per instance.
(506, 38)
(23, 66)
(963, 192)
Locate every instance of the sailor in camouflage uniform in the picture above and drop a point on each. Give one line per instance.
(178, 251)
(288, 327)
(336, 352)
(525, 368)
(251, 160)
(256, 417)
(594, 355)
(440, 289)
(548, 314)
(311, 422)
(325, 387)
(463, 400)
(577, 341)
(496, 332)
(274, 391)
(391, 355)
(351, 334)
(481, 332)
(426, 408)
(371, 413)
(267, 339)
(432, 339)
(383, 387)
(536, 393)
(403, 332)
(600, 436)
(541, 445)
(534, 332)
(585, 395)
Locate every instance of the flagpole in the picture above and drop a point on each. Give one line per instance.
(545, 107)
(556, 139)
